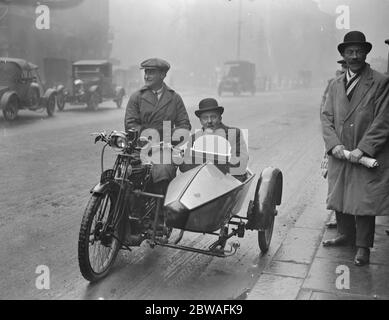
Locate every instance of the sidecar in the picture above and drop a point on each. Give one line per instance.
(207, 198)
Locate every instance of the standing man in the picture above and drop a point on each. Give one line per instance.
(355, 117)
(150, 107)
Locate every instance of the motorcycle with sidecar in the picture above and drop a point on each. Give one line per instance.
(124, 211)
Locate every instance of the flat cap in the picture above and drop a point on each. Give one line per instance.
(155, 63)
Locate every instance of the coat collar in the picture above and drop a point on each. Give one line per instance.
(361, 89)
(149, 96)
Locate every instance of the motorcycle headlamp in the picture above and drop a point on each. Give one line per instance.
(118, 140)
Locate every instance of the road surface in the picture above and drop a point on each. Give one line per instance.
(48, 166)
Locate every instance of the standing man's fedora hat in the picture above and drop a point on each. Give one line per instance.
(208, 104)
(353, 38)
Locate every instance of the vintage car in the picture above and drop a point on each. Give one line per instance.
(91, 83)
(238, 76)
(21, 88)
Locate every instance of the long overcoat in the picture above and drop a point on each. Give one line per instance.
(145, 111)
(362, 122)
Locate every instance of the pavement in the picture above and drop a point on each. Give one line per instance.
(322, 273)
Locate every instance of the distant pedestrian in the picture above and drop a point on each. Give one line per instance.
(355, 117)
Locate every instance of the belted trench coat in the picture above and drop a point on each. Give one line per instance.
(362, 122)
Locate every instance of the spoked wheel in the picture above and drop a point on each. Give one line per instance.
(10, 111)
(93, 101)
(50, 108)
(98, 243)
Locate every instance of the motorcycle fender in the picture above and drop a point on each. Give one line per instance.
(5, 98)
(270, 194)
(102, 187)
(46, 96)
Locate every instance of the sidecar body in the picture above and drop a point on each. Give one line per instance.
(204, 198)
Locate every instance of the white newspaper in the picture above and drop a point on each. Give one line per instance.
(366, 161)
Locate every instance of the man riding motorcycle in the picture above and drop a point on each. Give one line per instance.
(147, 110)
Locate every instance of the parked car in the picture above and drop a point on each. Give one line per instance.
(21, 87)
(238, 76)
(91, 83)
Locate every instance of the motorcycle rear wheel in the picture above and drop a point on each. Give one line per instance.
(97, 251)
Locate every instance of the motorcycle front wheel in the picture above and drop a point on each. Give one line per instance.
(98, 243)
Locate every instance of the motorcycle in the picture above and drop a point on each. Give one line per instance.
(124, 210)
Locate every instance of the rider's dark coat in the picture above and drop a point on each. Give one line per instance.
(145, 111)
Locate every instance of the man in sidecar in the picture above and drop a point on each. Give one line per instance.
(151, 106)
(210, 116)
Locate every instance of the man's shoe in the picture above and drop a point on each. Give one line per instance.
(362, 257)
(341, 240)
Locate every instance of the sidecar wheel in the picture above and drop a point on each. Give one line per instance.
(267, 196)
(97, 250)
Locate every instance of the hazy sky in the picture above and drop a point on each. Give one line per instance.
(200, 35)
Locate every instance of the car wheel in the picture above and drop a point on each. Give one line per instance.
(50, 108)
(93, 101)
(60, 101)
(34, 99)
(10, 111)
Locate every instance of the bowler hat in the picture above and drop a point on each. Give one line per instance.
(354, 38)
(155, 63)
(208, 104)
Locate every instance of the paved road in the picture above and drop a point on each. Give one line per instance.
(48, 165)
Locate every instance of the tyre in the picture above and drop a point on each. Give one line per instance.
(264, 236)
(93, 101)
(97, 249)
(10, 111)
(267, 197)
(60, 101)
(50, 107)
